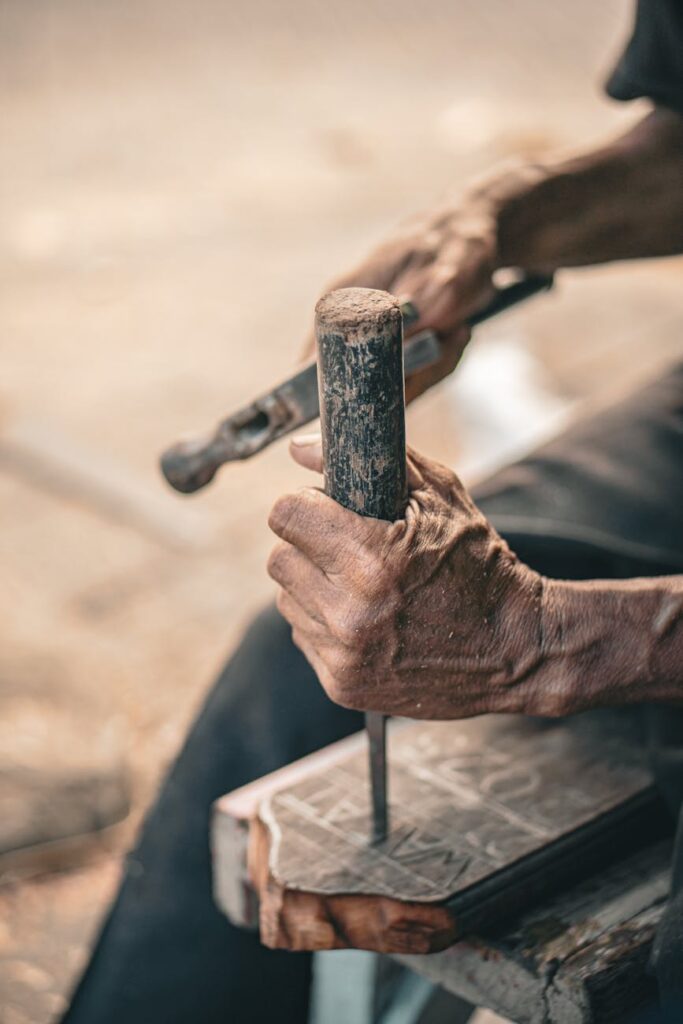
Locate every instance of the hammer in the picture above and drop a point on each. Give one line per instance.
(359, 334)
(191, 464)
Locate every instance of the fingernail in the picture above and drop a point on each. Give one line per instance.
(306, 440)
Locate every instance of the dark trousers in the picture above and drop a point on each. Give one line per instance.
(604, 501)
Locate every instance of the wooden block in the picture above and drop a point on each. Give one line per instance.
(232, 815)
(488, 816)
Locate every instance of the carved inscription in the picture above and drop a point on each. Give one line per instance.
(467, 799)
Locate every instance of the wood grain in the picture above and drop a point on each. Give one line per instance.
(578, 958)
(359, 336)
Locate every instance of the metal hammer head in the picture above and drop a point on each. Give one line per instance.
(190, 465)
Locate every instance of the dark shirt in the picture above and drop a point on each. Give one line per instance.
(652, 63)
(652, 66)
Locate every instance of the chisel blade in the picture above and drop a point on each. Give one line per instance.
(376, 728)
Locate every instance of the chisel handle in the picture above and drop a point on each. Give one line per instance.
(359, 334)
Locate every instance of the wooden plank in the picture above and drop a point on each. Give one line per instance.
(230, 827)
(488, 816)
(580, 957)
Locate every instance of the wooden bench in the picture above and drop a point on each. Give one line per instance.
(533, 857)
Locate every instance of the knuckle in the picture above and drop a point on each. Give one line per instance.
(291, 513)
(341, 694)
(351, 624)
(560, 704)
(299, 641)
(554, 703)
(346, 667)
(446, 272)
(281, 513)
(332, 688)
(277, 561)
(337, 666)
(329, 679)
(344, 632)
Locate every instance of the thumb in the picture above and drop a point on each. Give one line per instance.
(307, 450)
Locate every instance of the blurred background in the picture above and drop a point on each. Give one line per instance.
(178, 182)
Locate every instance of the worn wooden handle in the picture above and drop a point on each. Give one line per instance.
(362, 405)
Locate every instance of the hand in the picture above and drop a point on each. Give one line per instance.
(429, 617)
(443, 263)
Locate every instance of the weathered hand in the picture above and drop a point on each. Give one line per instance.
(443, 263)
(429, 617)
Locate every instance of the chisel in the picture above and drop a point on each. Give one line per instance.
(359, 336)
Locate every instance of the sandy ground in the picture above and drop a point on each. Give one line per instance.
(177, 184)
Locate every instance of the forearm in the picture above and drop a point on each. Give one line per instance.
(621, 201)
(607, 643)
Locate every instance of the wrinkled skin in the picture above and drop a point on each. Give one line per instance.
(432, 616)
(619, 201)
(443, 263)
(429, 617)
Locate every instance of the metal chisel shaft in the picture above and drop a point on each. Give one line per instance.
(376, 728)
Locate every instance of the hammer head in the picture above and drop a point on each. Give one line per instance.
(190, 465)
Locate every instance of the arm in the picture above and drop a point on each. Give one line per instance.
(616, 641)
(622, 200)
(434, 617)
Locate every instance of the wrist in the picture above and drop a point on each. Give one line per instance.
(610, 643)
(508, 202)
(619, 201)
